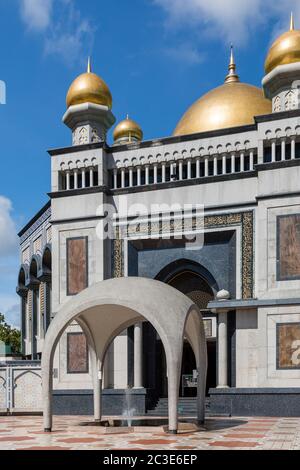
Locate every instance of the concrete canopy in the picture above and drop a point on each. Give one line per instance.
(105, 309)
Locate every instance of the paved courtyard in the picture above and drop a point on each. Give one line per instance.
(219, 433)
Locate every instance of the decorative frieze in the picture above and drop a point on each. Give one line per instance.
(243, 219)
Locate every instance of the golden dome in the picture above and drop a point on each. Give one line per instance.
(128, 130)
(285, 50)
(89, 88)
(231, 105)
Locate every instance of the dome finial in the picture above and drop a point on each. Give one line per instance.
(292, 24)
(232, 75)
(89, 66)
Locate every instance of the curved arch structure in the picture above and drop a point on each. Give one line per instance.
(106, 309)
(180, 265)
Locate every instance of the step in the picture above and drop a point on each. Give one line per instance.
(187, 406)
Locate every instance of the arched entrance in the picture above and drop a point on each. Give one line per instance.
(105, 309)
(198, 284)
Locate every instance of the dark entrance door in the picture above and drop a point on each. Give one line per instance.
(194, 286)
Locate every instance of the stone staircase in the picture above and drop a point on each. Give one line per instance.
(186, 407)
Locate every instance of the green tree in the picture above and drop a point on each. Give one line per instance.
(10, 336)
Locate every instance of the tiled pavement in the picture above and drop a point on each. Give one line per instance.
(25, 432)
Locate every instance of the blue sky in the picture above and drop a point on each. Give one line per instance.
(157, 56)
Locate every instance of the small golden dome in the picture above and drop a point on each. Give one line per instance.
(89, 88)
(128, 130)
(232, 104)
(285, 50)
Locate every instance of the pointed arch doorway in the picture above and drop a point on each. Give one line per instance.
(193, 280)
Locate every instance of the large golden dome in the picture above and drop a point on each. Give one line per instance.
(285, 50)
(89, 88)
(231, 105)
(128, 130)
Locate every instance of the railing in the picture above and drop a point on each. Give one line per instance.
(282, 149)
(181, 170)
(78, 179)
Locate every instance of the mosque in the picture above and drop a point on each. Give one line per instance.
(236, 155)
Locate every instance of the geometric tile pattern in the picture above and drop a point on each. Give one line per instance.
(25, 432)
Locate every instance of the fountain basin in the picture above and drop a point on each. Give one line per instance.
(117, 425)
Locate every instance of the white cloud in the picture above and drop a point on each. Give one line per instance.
(36, 14)
(8, 232)
(186, 52)
(230, 20)
(9, 260)
(65, 32)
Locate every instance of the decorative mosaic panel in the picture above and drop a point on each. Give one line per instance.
(27, 390)
(288, 346)
(25, 256)
(288, 247)
(243, 219)
(37, 245)
(49, 235)
(77, 265)
(77, 354)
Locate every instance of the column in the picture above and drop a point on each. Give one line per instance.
(224, 169)
(206, 167)
(76, 179)
(233, 163)
(68, 180)
(147, 175)
(222, 351)
(155, 174)
(251, 163)
(115, 179)
(91, 177)
(23, 311)
(139, 179)
(189, 169)
(198, 168)
(163, 172)
(105, 379)
(97, 395)
(273, 151)
(47, 307)
(242, 159)
(34, 312)
(130, 177)
(138, 355)
(282, 149)
(83, 178)
(180, 170)
(123, 178)
(293, 148)
(215, 165)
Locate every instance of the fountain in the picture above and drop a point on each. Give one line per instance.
(129, 412)
(129, 422)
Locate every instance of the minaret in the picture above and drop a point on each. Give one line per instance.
(89, 104)
(282, 80)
